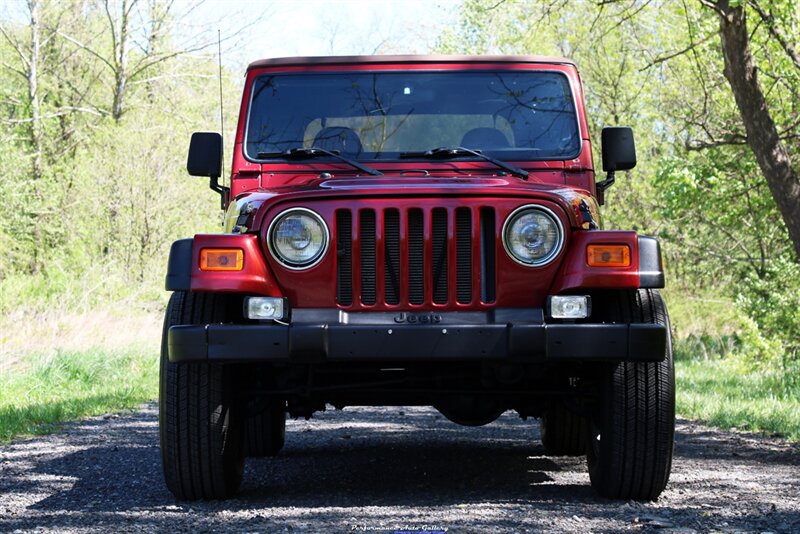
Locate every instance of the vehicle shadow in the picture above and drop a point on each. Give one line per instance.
(350, 458)
(108, 472)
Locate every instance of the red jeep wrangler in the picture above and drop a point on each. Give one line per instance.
(419, 230)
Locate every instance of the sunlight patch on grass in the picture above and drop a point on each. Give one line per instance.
(729, 393)
(66, 385)
(27, 335)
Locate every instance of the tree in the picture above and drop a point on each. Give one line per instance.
(656, 65)
(762, 134)
(29, 58)
(133, 41)
(717, 127)
(29, 68)
(77, 186)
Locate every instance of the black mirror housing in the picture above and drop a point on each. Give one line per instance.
(205, 155)
(619, 149)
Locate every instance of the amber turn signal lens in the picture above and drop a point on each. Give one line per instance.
(221, 259)
(608, 255)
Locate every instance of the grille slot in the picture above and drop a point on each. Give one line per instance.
(416, 260)
(463, 255)
(439, 264)
(391, 264)
(368, 270)
(487, 255)
(344, 258)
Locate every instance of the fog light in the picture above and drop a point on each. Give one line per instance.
(263, 308)
(570, 307)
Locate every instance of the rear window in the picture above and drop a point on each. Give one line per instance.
(525, 115)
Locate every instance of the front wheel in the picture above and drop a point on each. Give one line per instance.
(631, 438)
(200, 420)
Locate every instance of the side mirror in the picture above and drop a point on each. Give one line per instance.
(205, 159)
(619, 154)
(205, 155)
(619, 150)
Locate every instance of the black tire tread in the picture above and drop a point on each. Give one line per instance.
(199, 426)
(638, 421)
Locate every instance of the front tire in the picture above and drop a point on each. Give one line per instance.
(631, 439)
(200, 420)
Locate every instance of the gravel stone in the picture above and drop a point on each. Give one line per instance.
(378, 470)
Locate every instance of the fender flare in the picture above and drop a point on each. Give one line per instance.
(651, 269)
(179, 268)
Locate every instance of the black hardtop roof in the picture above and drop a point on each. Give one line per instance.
(368, 60)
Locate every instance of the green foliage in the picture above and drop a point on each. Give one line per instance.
(657, 66)
(747, 344)
(69, 385)
(773, 301)
(739, 239)
(723, 222)
(729, 372)
(113, 192)
(95, 227)
(708, 327)
(93, 231)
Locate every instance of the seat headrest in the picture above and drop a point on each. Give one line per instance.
(484, 138)
(345, 140)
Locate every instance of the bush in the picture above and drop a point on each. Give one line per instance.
(773, 303)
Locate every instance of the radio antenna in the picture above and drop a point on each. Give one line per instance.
(221, 112)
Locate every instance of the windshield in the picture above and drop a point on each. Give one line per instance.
(512, 115)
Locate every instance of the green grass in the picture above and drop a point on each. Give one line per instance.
(67, 385)
(716, 383)
(727, 372)
(730, 393)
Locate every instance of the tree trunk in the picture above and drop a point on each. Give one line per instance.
(33, 92)
(121, 63)
(35, 133)
(158, 12)
(762, 135)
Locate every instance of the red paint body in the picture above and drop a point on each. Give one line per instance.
(272, 187)
(254, 278)
(576, 273)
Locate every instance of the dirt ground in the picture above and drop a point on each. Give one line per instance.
(390, 469)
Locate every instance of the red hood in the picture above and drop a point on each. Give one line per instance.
(404, 186)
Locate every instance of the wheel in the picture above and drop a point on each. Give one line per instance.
(265, 429)
(563, 432)
(630, 450)
(200, 422)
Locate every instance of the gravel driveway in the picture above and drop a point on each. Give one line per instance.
(381, 469)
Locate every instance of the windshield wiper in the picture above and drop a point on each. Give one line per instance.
(449, 153)
(314, 152)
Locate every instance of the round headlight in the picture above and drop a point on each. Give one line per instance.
(532, 235)
(298, 238)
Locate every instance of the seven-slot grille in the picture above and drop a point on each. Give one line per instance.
(384, 258)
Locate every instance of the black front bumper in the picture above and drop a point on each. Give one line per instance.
(520, 336)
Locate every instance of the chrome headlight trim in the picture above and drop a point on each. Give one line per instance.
(550, 215)
(285, 262)
(231, 217)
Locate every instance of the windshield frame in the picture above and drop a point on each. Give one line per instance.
(399, 69)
